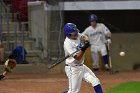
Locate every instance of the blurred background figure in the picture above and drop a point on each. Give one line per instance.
(9, 64)
(99, 35)
(21, 54)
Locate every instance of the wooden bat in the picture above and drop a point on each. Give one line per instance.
(61, 60)
(110, 61)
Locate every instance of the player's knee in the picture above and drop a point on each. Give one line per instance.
(103, 52)
(95, 82)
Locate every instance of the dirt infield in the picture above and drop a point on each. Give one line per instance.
(57, 83)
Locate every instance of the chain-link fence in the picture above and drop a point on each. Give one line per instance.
(13, 31)
(56, 36)
(46, 22)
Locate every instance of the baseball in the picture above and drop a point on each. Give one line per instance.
(122, 53)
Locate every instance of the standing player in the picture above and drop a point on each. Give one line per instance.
(74, 68)
(98, 35)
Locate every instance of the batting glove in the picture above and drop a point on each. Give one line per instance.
(86, 45)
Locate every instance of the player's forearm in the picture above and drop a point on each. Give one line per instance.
(108, 35)
(79, 55)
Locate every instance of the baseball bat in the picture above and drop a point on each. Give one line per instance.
(110, 61)
(109, 57)
(61, 60)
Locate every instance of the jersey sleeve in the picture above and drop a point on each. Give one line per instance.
(85, 32)
(69, 50)
(106, 31)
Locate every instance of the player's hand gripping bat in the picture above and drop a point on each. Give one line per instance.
(86, 45)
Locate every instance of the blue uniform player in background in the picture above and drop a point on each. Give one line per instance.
(21, 54)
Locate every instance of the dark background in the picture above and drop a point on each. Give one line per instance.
(117, 21)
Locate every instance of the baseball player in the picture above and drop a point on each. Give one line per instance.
(74, 67)
(99, 35)
(10, 64)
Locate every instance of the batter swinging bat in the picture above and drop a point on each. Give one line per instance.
(84, 39)
(61, 60)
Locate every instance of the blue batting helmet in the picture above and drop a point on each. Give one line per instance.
(69, 28)
(92, 18)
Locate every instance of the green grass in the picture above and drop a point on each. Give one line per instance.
(130, 87)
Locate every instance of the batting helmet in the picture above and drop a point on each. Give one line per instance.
(92, 18)
(69, 28)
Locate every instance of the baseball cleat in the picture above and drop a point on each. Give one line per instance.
(107, 67)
